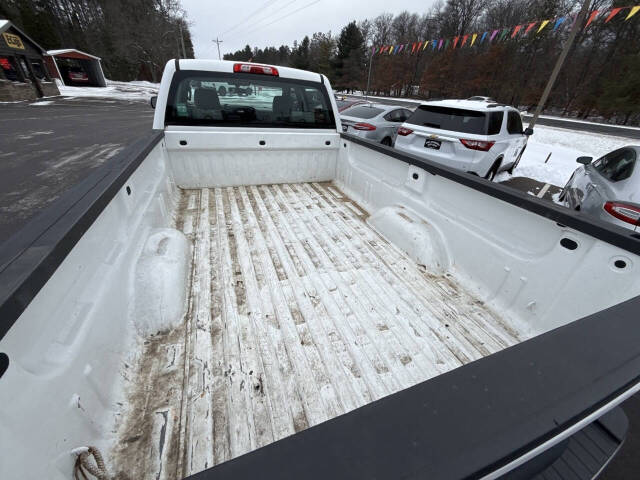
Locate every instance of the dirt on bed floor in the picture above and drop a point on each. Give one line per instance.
(298, 312)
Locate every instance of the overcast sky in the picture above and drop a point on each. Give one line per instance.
(263, 23)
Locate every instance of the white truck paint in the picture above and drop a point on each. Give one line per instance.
(242, 292)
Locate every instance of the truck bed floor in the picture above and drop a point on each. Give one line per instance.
(298, 312)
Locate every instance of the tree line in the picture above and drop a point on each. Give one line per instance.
(600, 79)
(134, 38)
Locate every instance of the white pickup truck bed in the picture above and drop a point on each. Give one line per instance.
(246, 273)
(298, 312)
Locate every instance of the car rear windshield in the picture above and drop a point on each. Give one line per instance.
(362, 111)
(246, 100)
(457, 120)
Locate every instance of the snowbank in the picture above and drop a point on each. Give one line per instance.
(132, 91)
(565, 147)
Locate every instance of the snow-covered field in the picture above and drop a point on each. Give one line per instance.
(565, 147)
(133, 91)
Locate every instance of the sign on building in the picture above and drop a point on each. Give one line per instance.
(13, 41)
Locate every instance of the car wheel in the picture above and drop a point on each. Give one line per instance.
(386, 141)
(491, 174)
(515, 164)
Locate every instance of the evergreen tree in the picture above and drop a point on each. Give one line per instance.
(350, 58)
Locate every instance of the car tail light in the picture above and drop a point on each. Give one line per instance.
(477, 145)
(624, 212)
(404, 131)
(364, 126)
(259, 69)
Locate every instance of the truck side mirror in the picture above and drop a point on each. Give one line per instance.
(584, 160)
(153, 100)
(528, 131)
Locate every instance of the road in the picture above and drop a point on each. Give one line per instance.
(48, 146)
(601, 129)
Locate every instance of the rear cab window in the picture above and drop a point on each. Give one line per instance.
(223, 99)
(457, 119)
(617, 165)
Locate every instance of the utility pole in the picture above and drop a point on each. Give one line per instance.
(369, 76)
(218, 42)
(578, 24)
(184, 52)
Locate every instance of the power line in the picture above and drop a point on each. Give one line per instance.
(289, 14)
(263, 19)
(262, 7)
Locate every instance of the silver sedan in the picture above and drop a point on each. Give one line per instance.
(374, 121)
(608, 188)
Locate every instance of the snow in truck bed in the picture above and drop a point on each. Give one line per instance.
(298, 312)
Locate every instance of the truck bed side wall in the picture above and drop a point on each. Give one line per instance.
(512, 257)
(74, 340)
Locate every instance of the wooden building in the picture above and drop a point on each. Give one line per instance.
(23, 75)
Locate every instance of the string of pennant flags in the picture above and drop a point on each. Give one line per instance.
(500, 34)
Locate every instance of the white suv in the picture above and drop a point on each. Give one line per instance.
(477, 137)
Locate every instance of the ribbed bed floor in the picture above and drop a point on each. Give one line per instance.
(299, 312)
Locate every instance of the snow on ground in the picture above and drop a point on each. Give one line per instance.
(565, 147)
(133, 91)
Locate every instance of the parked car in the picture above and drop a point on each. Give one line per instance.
(344, 103)
(77, 75)
(374, 121)
(608, 188)
(477, 137)
(480, 98)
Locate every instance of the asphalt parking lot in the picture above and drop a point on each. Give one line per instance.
(46, 148)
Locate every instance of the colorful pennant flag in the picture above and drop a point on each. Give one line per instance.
(461, 40)
(544, 24)
(558, 23)
(592, 17)
(613, 13)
